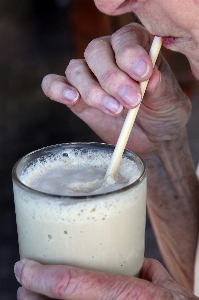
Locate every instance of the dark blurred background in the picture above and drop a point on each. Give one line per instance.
(38, 37)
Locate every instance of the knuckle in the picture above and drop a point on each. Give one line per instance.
(131, 34)
(65, 285)
(138, 292)
(90, 94)
(120, 32)
(74, 67)
(123, 45)
(95, 46)
(124, 53)
(129, 30)
(108, 77)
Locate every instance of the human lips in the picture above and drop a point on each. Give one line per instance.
(168, 40)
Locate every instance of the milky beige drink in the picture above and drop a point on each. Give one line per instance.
(65, 217)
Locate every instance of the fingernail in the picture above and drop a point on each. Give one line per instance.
(70, 95)
(18, 268)
(112, 104)
(140, 68)
(129, 95)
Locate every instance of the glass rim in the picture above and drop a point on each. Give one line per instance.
(80, 197)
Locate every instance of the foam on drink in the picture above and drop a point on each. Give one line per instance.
(77, 173)
(102, 231)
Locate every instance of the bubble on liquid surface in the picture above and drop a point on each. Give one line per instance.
(76, 172)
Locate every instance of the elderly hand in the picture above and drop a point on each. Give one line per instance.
(106, 84)
(63, 282)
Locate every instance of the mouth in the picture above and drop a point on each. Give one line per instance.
(168, 40)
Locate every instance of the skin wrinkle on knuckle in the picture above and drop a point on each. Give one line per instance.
(96, 46)
(65, 284)
(121, 35)
(75, 68)
(94, 284)
(91, 94)
(125, 30)
(124, 47)
(108, 78)
(128, 291)
(122, 292)
(120, 289)
(145, 293)
(134, 32)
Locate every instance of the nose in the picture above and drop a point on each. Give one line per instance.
(118, 7)
(108, 6)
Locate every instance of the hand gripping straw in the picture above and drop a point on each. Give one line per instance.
(131, 115)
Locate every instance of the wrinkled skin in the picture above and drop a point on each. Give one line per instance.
(169, 18)
(74, 283)
(99, 90)
(164, 106)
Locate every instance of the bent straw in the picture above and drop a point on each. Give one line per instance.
(131, 115)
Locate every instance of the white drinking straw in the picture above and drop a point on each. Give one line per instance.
(131, 115)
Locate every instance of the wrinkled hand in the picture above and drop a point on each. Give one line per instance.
(106, 84)
(64, 282)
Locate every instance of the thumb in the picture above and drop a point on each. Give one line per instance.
(65, 282)
(154, 82)
(154, 272)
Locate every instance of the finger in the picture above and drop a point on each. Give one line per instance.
(154, 272)
(100, 58)
(63, 282)
(80, 76)
(131, 44)
(23, 294)
(162, 100)
(57, 88)
(154, 82)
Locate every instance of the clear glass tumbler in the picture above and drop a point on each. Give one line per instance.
(104, 232)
